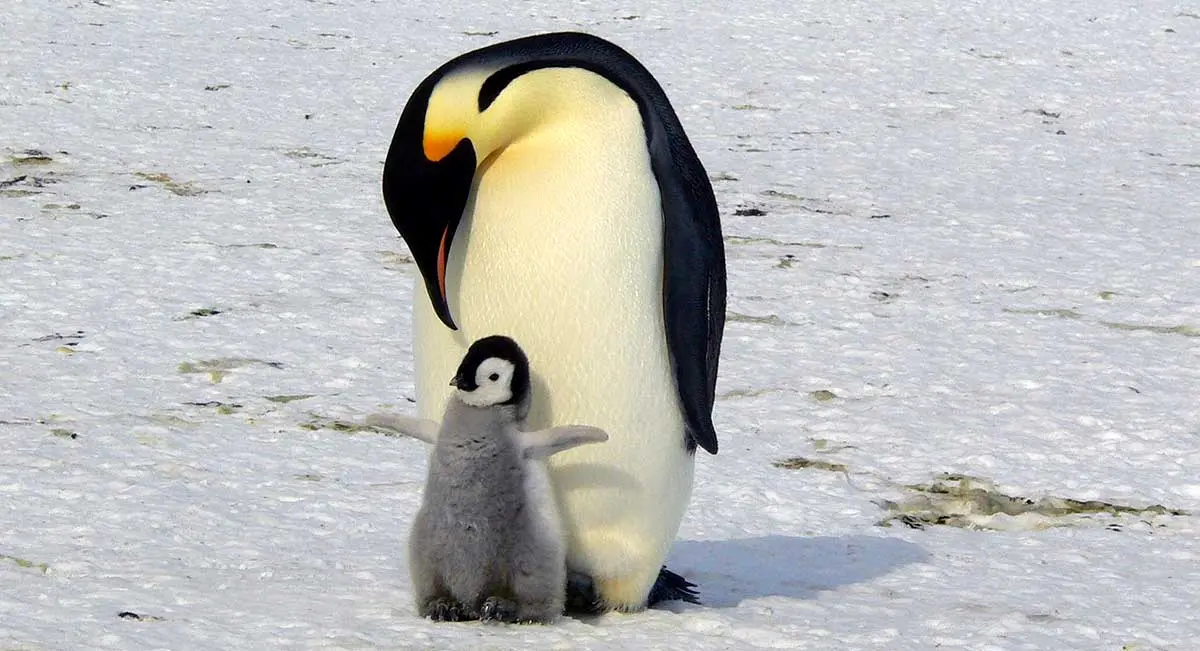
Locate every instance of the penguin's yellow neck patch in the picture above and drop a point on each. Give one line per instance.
(437, 144)
(538, 101)
(452, 113)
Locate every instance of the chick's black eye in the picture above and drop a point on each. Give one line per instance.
(494, 376)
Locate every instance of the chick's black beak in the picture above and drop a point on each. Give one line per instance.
(463, 382)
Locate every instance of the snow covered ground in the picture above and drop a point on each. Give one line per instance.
(964, 257)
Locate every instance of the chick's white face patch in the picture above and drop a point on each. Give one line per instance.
(493, 381)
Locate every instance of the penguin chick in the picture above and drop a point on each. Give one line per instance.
(487, 542)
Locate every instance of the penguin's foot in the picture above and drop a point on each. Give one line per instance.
(583, 598)
(581, 595)
(499, 609)
(441, 609)
(671, 587)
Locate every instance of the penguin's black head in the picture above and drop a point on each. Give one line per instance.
(494, 371)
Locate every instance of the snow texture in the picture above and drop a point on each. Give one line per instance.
(964, 258)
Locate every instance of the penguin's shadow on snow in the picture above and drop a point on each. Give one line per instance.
(728, 572)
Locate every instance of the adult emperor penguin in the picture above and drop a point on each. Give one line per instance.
(546, 189)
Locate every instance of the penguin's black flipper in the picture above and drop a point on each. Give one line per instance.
(672, 587)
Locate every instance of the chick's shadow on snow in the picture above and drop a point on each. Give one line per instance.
(728, 572)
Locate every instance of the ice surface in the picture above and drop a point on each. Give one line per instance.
(969, 246)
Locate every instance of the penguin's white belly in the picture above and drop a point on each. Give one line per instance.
(561, 249)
